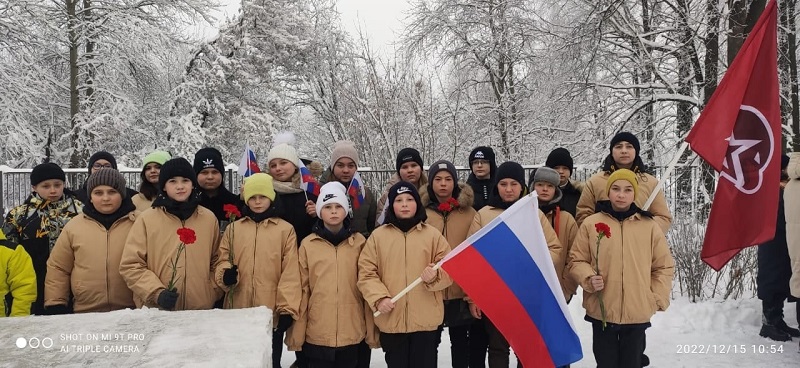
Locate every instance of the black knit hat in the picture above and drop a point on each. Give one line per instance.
(484, 153)
(208, 157)
(47, 171)
(407, 155)
(109, 177)
(559, 157)
(178, 166)
(625, 137)
(102, 155)
(509, 170)
(443, 165)
(398, 189)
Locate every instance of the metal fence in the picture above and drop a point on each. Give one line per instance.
(15, 183)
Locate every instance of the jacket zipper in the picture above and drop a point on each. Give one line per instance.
(253, 273)
(405, 262)
(336, 270)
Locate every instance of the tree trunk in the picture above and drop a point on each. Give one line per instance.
(792, 37)
(784, 71)
(74, 108)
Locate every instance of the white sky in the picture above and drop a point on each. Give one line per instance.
(381, 20)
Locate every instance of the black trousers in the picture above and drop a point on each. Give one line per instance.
(410, 350)
(478, 344)
(277, 348)
(459, 344)
(498, 346)
(327, 357)
(618, 346)
(364, 355)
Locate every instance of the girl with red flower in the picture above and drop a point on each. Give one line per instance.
(448, 204)
(621, 237)
(177, 236)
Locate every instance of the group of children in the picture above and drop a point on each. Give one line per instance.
(321, 265)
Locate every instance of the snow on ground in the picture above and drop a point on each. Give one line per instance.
(711, 333)
(138, 338)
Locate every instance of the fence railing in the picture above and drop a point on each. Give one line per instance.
(15, 183)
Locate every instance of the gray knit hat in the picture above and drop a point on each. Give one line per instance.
(546, 175)
(108, 177)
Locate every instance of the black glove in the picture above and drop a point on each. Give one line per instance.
(167, 299)
(284, 322)
(57, 309)
(231, 276)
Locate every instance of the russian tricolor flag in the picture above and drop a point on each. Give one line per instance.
(357, 191)
(248, 164)
(307, 181)
(506, 269)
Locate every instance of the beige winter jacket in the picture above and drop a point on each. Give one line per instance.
(454, 226)
(635, 263)
(150, 249)
(595, 191)
(85, 261)
(333, 313)
(791, 204)
(266, 257)
(141, 202)
(390, 261)
(567, 231)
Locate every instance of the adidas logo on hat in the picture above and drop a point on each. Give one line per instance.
(208, 163)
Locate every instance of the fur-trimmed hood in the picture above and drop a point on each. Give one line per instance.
(466, 197)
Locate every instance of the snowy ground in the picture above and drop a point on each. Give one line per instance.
(706, 334)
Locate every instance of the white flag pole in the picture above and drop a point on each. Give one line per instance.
(667, 174)
(408, 288)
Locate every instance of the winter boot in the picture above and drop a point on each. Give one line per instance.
(774, 333)
(793, 332)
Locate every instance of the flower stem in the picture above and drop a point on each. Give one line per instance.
(597, 272)
(172, 279)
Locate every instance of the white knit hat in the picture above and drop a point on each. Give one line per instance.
(333, 192)
(282, 147)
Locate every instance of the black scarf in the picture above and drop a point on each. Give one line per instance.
(406, 224)
(335, 239)
(605, 207)
(496, 201)
(272, 211)
(182, 210)
(548, 207)
(108, 220)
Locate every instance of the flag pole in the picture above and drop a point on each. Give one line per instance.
(408, 288)
(667, 174)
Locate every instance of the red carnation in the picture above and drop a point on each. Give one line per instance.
(231, 212)
(448, 206)
(187, 235)
(603, 229)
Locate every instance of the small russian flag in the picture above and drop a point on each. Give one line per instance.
(307, 181)
(357, 191)
(248, 164)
